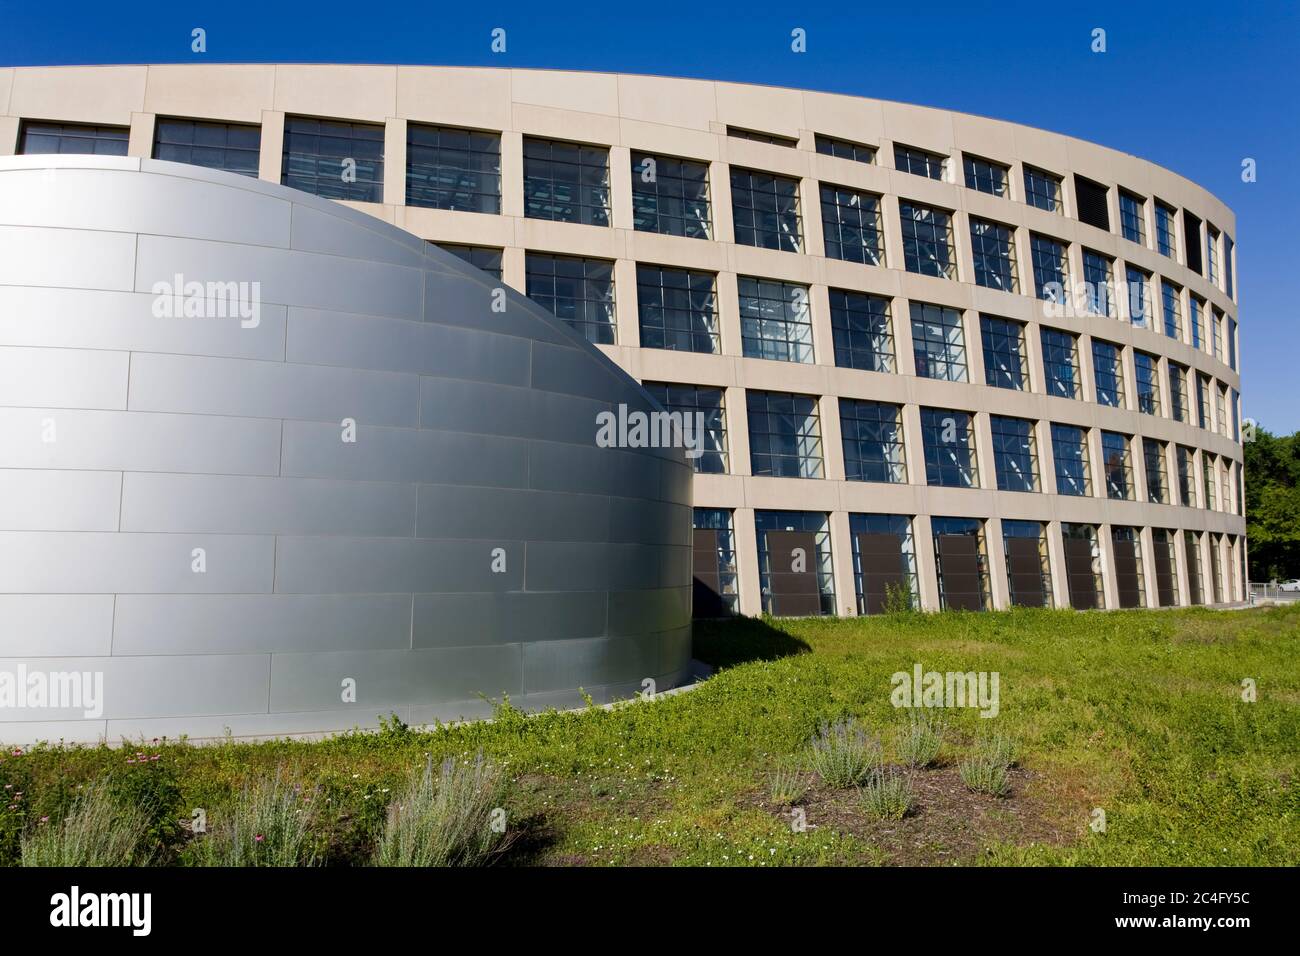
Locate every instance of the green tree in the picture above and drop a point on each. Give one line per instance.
(1272, 482)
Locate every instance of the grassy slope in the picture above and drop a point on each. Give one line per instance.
(1138, 713)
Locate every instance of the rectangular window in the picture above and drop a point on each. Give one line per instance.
(1178, 403)
(450, 168)
(1092, 198)
(986, 175)
(1060, 363)
(690, 401)
(1139, 296)
(1234, 412)
(1192, 230)
(1166, 230)
(1207, 468)
(677, 309)
(1098, 277)
(919, 162)
(1164, 545)
(1070, 456)
(1192, 549)
(1132, 217)
(757, 136)
(845, 149)
(938, 343)
(1216, 334)
(860, 326)
(765, 210)
(1029, 576)
(1232, 344)
(1203, 400)
(1170, 296)
(1043, 190)
(1147, 369)
(234, 147)
(1221, 411)
(994, 248)
(1015, 453)
(795, 566)
(1212, 254)
(948, 438)
(851, 225)
(873, 441)
(485, 258)
(1126, 550)
(1051, 267)
(1108, 373)
(961, 563)
(1118, 465)
(927, 240)
(1004, 352)
(1153, 454)
(1227, 265)
(714, 564)
(1198, 321)
(670, 196)
(774, 320)
(333, 159)
(579, 291)
(566, 182)
(1186, 485)
(884, 560)
(784, 435)
(65, 138)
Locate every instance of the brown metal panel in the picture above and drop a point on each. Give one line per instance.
(961, 564)
(951, 544)
(1126, 572)
(1027, 589)
(964, 600)
(796, 605)
(1166, 590)
(794, 593)
(880, 543)
(705, 540)
(1193, 571)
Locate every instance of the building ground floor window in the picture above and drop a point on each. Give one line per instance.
(1083, 566)
(961, 563)
(1164, 547)
(884, 562)
(794, 563)
(1029, 571)
(713, 562)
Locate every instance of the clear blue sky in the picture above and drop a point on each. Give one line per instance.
(1193, 86)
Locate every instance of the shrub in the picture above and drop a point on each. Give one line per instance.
(1003, 750)
(151, 786)
(920, 740)
(268, 825)
(787, 787)
(447, 820)
(843, 753)
(97, 831)
(887, 795)
(898, 599)
(982, 772)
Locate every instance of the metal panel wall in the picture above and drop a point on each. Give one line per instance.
(184, 512)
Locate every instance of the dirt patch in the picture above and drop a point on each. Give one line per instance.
(948, 824)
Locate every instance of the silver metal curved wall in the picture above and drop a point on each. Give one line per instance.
(181, 513)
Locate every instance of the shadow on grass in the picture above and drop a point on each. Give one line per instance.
(726, 642)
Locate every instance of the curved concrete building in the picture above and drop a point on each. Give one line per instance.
(947, 359)
(272, 465)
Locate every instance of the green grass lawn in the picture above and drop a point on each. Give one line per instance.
(1138, 714)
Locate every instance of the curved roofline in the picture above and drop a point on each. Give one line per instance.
(656, 76)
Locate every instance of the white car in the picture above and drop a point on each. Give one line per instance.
(1292, 585)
